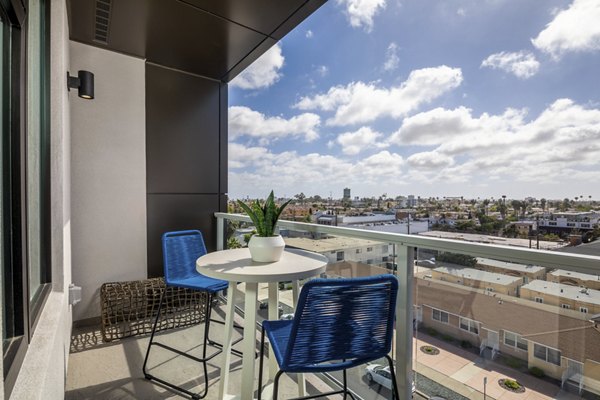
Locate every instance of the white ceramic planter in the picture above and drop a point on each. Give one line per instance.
(266, 249)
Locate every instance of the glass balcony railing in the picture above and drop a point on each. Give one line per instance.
(474, 321)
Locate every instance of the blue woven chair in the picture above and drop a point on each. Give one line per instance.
(338, 324)
(180, 252)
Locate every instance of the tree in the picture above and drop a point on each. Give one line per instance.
(543, 204)
(300, 197)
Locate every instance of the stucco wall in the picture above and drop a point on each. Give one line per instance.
(108, 172)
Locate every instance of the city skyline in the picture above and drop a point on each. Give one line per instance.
(424, 97)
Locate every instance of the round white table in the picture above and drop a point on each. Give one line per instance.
(235, 266)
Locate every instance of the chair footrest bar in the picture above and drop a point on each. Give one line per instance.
(193, 396)
(181, 353)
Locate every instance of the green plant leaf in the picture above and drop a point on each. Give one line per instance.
(250, 213)
(260, 216)
(270, 214)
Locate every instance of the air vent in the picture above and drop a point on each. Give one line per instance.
(102, 21)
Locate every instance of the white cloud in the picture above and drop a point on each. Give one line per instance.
(391, 57)
(575, 29)
(322, 70)
(360, 102)
(244, 121)
(429, 160)
(309, 34)
(365, 138)
(562, 141)
(263, 72)
(240, 156)
(361, 12)
(522, 64)
(290, 173)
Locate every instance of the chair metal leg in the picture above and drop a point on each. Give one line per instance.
(276, 384)
(162, 296)
(260, 364)
(345, 384)
(203, 360)
(395, 393)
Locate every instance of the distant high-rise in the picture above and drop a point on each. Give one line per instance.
(412, 202)
(346, 193)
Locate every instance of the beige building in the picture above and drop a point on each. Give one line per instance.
(564, 345)
(568, 297)
(574, 278)
(478, 279)
(527, 272)
(337, 248)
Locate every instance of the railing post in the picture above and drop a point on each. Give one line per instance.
(220, 233)
(404, 320)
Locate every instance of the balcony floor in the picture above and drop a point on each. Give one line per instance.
(114, 370)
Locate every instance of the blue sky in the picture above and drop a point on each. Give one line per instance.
(431, 98)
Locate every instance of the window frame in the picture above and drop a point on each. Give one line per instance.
(547, 350)
(470, 323)
(22, 311)
(441, 313)
(517, 338)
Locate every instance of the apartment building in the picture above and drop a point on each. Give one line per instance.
(489, 281)
(567, 297)
(557, 222)
(563, 344)
(527, 272)
(574, 278)
(338, 249)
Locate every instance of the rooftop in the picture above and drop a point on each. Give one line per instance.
(573, 274)
(473, 237)
(479, 275)
(335, 243)
(565, 291)
(510, 266)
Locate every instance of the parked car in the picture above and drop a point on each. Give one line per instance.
(376, 373)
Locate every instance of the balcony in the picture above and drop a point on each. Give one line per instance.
(451, 335)
(89, 186)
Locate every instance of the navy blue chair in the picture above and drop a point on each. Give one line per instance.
(180, 252)
(338, 324)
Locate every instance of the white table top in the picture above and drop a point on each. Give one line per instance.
(235, 265)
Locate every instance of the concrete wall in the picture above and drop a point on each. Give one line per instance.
(42, 374)
(108, 172)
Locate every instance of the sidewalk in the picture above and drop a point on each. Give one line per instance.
(463, 371)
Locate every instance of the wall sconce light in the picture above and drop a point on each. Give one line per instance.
(83, 82)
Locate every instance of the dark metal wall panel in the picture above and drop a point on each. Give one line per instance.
(179, 212)
(216, 39)
(270, 16)
(182, 35)
(186, 156)
(183, 137)
(223, 137)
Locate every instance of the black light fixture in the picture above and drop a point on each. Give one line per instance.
(83, 82)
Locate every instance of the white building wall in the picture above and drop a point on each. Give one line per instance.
(108, 189)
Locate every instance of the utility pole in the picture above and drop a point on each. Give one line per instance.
(537, 230)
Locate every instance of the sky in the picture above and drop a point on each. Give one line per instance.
(474, 98)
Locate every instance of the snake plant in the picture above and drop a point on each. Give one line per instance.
(264, 217)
